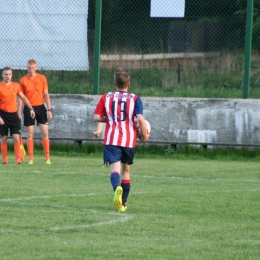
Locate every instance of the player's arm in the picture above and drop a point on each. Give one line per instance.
(47, 101)
(143, 129)
(98, 130)
(99, 113)
(19, 107)
(141, 120)
(27, 103)
(99, 118)
(19, 101)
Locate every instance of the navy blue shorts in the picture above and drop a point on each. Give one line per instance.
(40, 116)
(118, 153)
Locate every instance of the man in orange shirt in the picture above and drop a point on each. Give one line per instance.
(9, 118)
(35, 88)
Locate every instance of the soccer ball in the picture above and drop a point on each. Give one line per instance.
(148, 127)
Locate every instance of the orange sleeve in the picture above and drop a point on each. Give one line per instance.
(21, 85)
(8, 97)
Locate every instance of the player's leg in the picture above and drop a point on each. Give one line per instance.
(115, 181)
(127, 160)
(29, 123)
(4, 138)
(30, 143)
(42, 122)
(13, 123)
(15, 131)
(115, 174)
(45, 141)
(113, 154)
(106, 164)
(125, 184)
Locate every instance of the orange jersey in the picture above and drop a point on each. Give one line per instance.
(33, 88)
(8, 101)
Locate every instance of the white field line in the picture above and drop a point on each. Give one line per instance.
(50, 196)
(190, 178)
(61, 195)
(122, 217)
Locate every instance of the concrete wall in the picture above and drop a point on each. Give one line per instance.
(172, 119)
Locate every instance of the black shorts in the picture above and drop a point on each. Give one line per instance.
(11, 121)
(40, 116)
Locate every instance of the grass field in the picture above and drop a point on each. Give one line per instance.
(177, 209)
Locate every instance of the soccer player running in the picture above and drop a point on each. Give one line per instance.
(118, 110)
(35, 88)
(9, 118)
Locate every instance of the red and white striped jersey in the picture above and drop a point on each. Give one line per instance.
(120, 108)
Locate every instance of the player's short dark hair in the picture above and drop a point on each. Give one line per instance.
(122, 77)
(7, 68)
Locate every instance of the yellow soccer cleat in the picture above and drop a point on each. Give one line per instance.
(48, 162)
(123, 208)
(30, 162)
(118, 197)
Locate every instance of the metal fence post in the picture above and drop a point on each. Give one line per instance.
(97, 45)
(250, 5)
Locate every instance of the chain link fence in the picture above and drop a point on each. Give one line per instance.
(203, 49)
